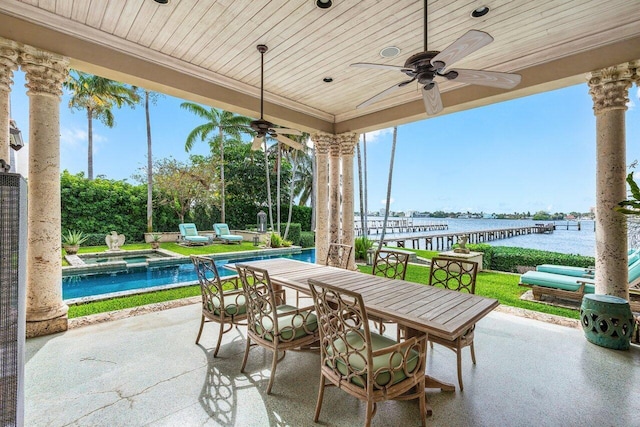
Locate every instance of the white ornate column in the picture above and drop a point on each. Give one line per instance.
(8, 63)
(334, 191)
(609, 89)
(46, 311)
(322, 143)
(348, 142)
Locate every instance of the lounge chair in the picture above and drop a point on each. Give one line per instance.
(189, 234)
(223, 233)
(587, 272)
(569, 287)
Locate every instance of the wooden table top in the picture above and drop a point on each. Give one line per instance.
(441, 312)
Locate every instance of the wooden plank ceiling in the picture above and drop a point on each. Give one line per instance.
(205, 50)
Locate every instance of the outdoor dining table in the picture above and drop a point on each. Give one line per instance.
(419, 308)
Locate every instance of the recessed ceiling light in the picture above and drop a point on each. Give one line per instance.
(323, 4)
(389, 52)
(481, 11)
(327, 79)
(162, 1)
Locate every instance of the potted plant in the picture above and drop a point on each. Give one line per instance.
(155, 240)
(72, 240)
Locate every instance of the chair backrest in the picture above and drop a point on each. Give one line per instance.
(344, 331)
(390, 264)
(261, 302)
(338, 255)
(213, 301)
(188, 229)
(454, 274)
(221, 229)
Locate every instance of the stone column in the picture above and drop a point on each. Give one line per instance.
(46, 312)
(8, 63)
(322, 143)
(334, 191)
(348, 142)
(609, 89)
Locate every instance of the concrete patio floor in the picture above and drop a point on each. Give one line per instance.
(147, 371)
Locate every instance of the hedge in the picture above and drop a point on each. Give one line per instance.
(307, 239)
(503, 258)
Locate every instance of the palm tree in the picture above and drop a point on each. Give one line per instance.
(303, 189)
(153, 97)
(293, 156)
(386, 211)
(97, 96)
(361, 193)
(228, 125)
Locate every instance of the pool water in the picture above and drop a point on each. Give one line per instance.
(103, 284)
(129, 259)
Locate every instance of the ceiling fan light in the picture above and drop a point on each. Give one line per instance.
(323, 4)
(480, 11)
(390, 52)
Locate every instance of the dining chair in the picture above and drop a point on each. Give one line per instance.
(366, 365)
(337, 256)
(224, 306)
(270, 323)
(457, 275)
(392, 265)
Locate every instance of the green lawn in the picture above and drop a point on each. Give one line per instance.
(501, 286)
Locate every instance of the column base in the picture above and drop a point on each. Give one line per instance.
(47, 327)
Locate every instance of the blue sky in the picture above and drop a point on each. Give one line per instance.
(530, 154)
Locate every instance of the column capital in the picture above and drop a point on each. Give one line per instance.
(609, 87)
(347, 142)
(45, 71)
(322, 142)
(8, 63)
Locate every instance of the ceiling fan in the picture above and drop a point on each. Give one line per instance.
(426, 66)
(264, 127)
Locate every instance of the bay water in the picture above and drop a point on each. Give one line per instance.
(563, 240)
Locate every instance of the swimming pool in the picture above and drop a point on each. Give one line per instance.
(87, 287)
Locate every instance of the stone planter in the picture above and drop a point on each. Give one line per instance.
(155, 245)
(71, 249)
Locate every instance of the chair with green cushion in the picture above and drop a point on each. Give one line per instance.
(369, 366)
(270, 323)
(189, 234)
(456, 275)
(223, 233)
(222, 300)
(392, 265)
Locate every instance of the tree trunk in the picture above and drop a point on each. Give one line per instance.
(222, 195)
(90, 144)
(266, 168)
(386, 211)
(362, 226)
(149, 166)
(366, 199)
(314, 185)
(279, 154)
(291, 185)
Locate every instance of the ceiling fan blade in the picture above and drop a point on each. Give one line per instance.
(287, 141)
(432, 100)
(488, 78)
(384, 93)
(467, 44)
(257, 143)
(381, 66)
(286, 131)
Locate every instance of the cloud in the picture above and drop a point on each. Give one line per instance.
(77, 137)
(383, 202)
(376, 134)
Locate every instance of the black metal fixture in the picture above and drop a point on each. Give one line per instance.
(324, 4)
(480, 11)
(327, 79)
(15, 136)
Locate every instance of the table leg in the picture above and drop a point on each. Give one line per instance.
(430, 382)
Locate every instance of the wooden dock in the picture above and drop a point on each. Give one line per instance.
(444, 241)
(396, 226)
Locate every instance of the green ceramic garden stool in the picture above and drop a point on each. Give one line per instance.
(607, 321)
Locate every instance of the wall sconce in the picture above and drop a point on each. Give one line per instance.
(15, 136)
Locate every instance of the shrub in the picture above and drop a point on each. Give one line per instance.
(96, 239)
(307, 239)
(294, 232)
(275, 240)
(363, 244)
